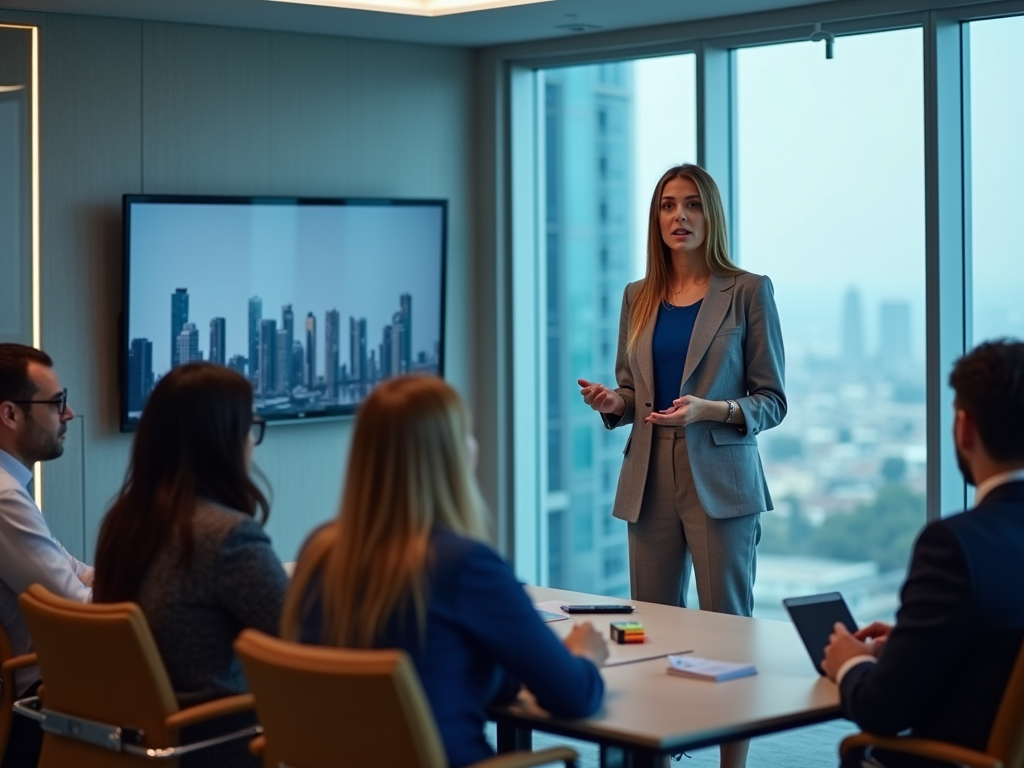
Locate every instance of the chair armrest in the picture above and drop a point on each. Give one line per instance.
(20, 662)
(208, 710)
(527, 759)
(258, 745)
(936, 750)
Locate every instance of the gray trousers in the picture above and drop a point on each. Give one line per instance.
(673, 532)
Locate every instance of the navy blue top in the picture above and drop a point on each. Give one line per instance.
(483, 635)
(672, 331)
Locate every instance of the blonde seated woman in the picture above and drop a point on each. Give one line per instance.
(404, 566)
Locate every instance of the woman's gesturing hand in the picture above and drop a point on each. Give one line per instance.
(600, 398)
(587, 642)
(685, 410)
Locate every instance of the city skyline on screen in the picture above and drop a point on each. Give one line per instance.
(313, 303)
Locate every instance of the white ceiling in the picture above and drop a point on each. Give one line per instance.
(478, 29)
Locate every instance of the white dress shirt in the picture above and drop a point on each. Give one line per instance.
(29, 554)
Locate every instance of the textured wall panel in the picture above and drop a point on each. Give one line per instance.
(168, 108)
(90, 155)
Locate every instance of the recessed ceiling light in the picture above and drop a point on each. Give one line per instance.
(417, 7)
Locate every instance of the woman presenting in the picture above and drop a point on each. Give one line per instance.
(700, 368)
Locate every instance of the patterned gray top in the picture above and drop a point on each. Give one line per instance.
(234, 581)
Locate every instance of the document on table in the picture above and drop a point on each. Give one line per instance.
(551, 610)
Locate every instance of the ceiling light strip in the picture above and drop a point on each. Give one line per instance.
(417, 7)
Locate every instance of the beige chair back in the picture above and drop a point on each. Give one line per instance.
(317, 703)
(1006, 741)
(7, 689)
(99, 661)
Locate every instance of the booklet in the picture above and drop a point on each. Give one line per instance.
(708, 669)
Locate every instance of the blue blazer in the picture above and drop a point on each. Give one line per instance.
(958, 631)
(483, 637)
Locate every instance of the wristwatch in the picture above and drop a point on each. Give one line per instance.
(732, 410)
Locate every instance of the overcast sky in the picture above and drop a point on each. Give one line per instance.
(831, 173)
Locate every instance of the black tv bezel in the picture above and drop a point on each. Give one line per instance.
(340, 412)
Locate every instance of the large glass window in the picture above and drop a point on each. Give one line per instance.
(830, 205)
(609, 131)
(995, 172)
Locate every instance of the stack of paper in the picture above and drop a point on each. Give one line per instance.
(708, 669)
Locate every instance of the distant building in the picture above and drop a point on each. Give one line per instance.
(357, 350)
(179, 317)
(255, 318)
(218, 337)
(267, 364)
(298, 361)
(140, 373)
(385, 352)
(589, 255)
(332, 352)
(282, 384)
(852, 331)
(309, 361)
(188, 345)
(291, 374)
(237, 363)
(406, 345)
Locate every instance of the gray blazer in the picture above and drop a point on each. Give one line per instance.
(233, 581)
(735, 353)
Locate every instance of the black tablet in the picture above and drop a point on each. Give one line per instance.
(814, 616)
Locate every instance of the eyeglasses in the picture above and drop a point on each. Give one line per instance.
(61, 401)
(259, 425)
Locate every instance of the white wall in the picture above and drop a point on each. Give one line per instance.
(144, 107)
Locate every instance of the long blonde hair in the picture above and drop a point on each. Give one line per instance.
(659, 257)
(408, 473)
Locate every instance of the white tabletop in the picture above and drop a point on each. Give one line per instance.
(645, 707)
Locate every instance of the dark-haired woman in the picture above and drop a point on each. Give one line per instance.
(185, 541)
(700, 369)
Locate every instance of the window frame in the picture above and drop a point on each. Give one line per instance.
(517, 192)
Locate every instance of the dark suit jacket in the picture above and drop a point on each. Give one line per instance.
(958, 630)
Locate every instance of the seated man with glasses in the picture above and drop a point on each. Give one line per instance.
(34, 413)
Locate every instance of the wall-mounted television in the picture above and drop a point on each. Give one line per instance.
(314, 300)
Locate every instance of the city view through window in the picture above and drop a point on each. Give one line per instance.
(830, 205)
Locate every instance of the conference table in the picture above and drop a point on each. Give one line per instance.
(649, 714)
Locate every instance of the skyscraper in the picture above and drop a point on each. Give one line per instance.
(588, 142)
(406, 349)
(179, 316)
(188, 344)
(309, 362)
(267, 362)
(140, 373)
(357, 350)
(283, 365)
(255, 316)
(332, 351)
(288, 326)
(386, 353)
(399, 345)
(237, 363)
(218, 337)
(853, 331)
(298, 360)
